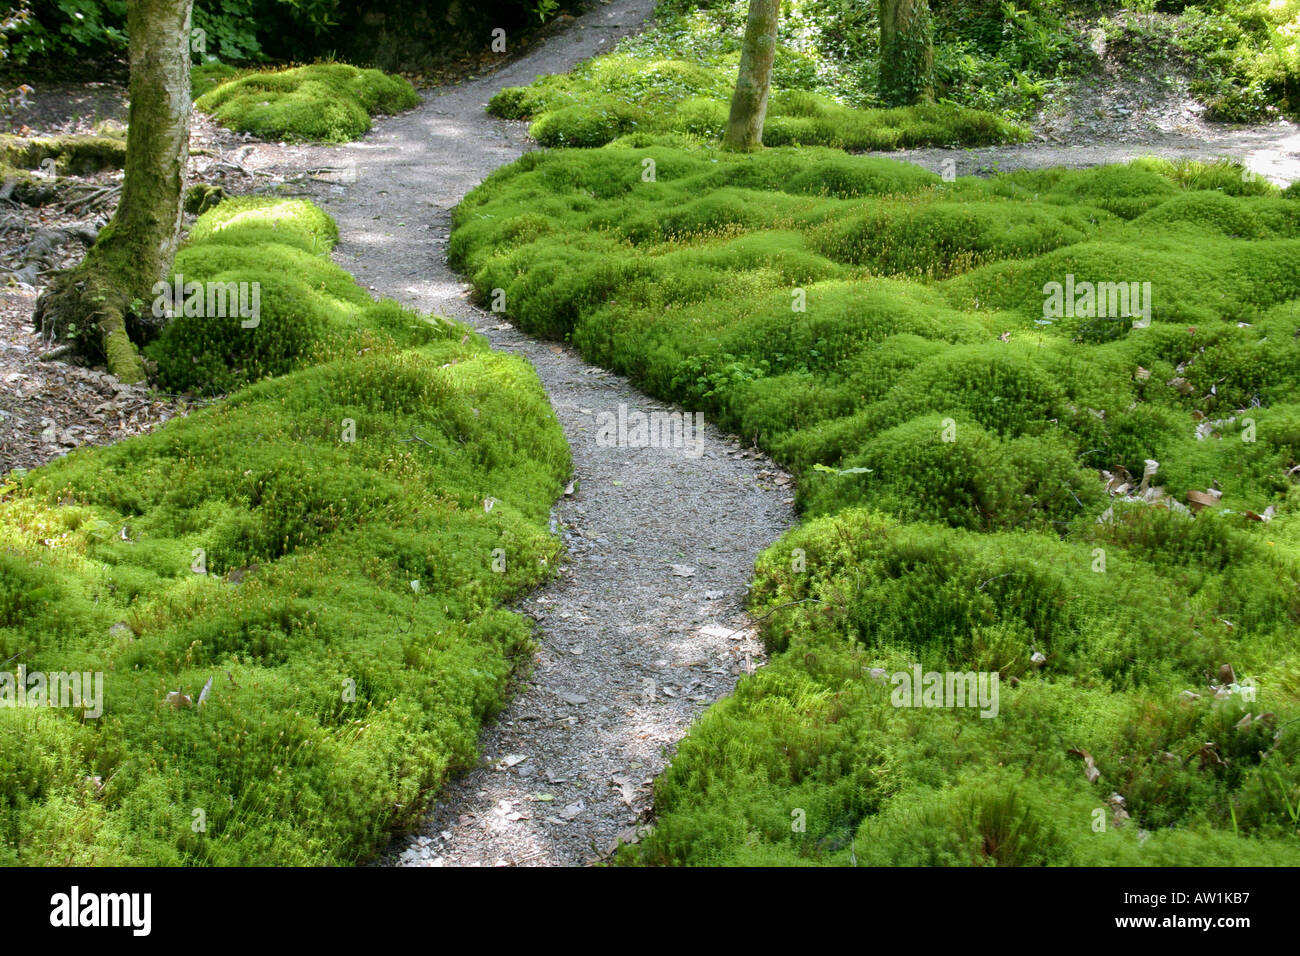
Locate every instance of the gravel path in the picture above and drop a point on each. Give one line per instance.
(643, 626)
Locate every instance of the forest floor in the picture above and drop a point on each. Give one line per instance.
(644, 626)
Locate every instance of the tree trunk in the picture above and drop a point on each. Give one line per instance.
(906, 52)
(749, 102)
(100, 304)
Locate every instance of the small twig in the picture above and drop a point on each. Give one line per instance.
(779, 607)
(53, 354)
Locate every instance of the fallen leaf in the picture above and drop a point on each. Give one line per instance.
(1089, 765)
(1149, 469)
(1209, 755)
(179, 700)
(627, 789)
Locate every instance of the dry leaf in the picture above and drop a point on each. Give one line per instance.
(1089, 765)
(1149, 469)
(627, 789)
(1209, 755)
(179, 700)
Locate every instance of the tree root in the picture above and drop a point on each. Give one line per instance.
(88, 294)
(35, 255)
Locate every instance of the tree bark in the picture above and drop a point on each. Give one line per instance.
(101, 304)
(749, 102)
(906, 52)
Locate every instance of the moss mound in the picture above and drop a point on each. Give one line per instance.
(621, 93)
(73, 155)
(270, 258)
(294, 596)
(324, 102)
(890, 338)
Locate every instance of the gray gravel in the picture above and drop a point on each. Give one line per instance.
(643, 627)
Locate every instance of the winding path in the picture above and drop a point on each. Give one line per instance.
(644, 626)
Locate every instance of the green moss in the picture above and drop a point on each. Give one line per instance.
(617, 94)
(205, 77)
(882, 333)
(292, 221)
(307, 307)
(325, 102)
(201, 197)
(73, 155)
(316, 547)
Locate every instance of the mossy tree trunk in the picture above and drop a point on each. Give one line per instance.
(99, 305)
(749, 102)
(906, 52)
